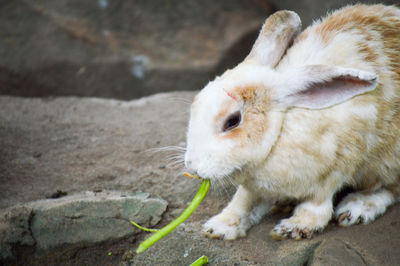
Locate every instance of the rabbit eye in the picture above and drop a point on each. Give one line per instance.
(232, 121)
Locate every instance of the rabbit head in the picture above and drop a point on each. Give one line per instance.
(236, 119)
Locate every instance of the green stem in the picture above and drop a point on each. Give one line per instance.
(200, 261)
(205, 186)
(144, 228)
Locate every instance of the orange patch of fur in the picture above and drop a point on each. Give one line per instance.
(274, 20)
(364, 19)
(304, 35)
(369, 54)
(246, 93)
(347, 19)
(256, 105)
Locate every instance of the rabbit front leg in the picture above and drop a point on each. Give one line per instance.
(309, 217)
(244, 211)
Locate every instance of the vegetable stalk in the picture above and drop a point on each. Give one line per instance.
(200, 261)
(204, 187)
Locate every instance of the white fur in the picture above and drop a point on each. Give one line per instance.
(267, 50)
(320, 103)
(324, 209)
(363, 208)
(307, 218)
(210, 157)
(237, 217)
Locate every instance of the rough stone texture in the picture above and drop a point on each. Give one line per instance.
(92, 217)
(14, 229)
(85, 218)
(76, 145)
(121, 49)
(188, 245)
(335, 252)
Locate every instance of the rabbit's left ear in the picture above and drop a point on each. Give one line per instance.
(320, 86)
(276, 35)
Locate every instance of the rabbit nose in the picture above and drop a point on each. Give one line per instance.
(189, 164)
(190, 167)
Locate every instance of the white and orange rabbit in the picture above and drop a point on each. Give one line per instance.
(300, 118)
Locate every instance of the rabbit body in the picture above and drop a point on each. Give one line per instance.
(303, 116)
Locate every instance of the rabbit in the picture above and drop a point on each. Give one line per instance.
(303, 116)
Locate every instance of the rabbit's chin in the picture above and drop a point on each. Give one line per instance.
(217, 174)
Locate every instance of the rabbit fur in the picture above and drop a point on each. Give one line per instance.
(303, 116)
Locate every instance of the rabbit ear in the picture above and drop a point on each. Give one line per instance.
(320, 86)
(277, 33)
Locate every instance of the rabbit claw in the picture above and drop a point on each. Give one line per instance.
(286, 229)
(224, 226)
(362, 208)
(210, 234)
(344, 217)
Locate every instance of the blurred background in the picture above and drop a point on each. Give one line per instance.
(128, 49)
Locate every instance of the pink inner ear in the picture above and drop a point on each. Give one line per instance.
(335, 91)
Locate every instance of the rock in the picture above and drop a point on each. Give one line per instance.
(86, 218)
(15, 230)
(87, 145)
(91, 144)
(121, 49)
(181, 248)
(186, 244)
(92, 217)
(336, 252)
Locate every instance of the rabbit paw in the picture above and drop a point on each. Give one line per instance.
(227, 226)
(359, 208)
(289, 228)
(308, 218)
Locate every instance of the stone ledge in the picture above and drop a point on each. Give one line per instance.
(87, 218)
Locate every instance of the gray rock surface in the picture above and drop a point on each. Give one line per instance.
(121, 49)
(92, 217)
(260, 250)
(85, 218)
(14, 230)
(335, 252)
(77, 145)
